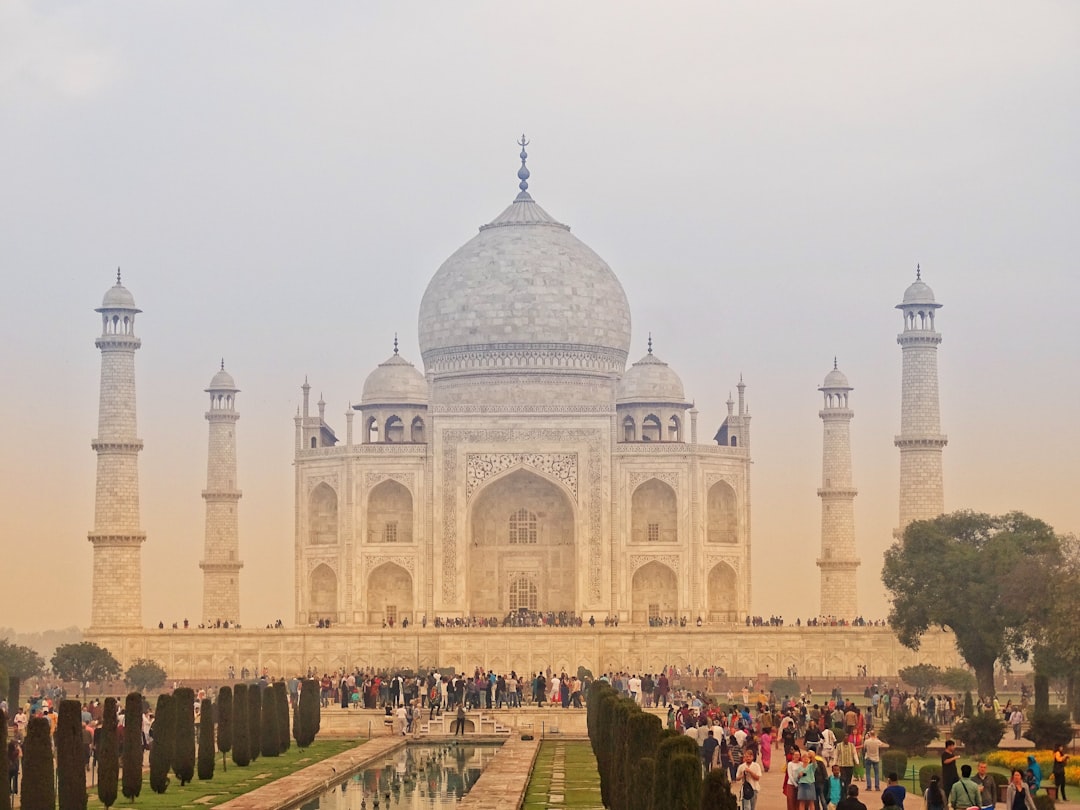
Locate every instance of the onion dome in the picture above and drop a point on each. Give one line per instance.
(118, 297)
(919, 293)
(395, 382)
(222, 381)
(650, 379)
(836, 379)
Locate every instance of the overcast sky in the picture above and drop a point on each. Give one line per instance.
(279, 181)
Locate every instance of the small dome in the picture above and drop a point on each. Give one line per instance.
(223, 381)
(650, 379)
(118, 297)
(836, 379)
(395, 382)
(919, 293)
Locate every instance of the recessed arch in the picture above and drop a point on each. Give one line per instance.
(322, 515)
(723, 595)
(416, 430)
(389, 595)
(654, 593)
(722, 514)
(323, 593)
(651, 430)
(629, 429)
(674, 429)
(654, 510)
(390, 513)
(394, 432)
(372, 425)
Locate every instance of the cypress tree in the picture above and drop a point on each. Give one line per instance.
(254, 721)
(672, 744)
(716, 792)
(642, 736)
(281, 702)
(269, 744)
(642, 796)
(206, 740)
(161, 743)
(684, 782)
(223, 710)
(70, 760)
(38, 792)
(241, 752)
(5, 784)
(306, 719)
(108, 755)
(183, 758)
(133, 746)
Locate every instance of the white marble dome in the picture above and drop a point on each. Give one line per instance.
(836, 379)
(222, 381)
(919, 293)
(395, 382)
(524, 293)
(650, 379)
(118, 297)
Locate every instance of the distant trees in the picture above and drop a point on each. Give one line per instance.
(224, 712)
(206, 740)
(84, 662)
(38, 792)
(183, 759)
(133, 746)
(145, 675)
(19, 661)
(70, 760)
(161, 743)
(108, 755)
(241, 751)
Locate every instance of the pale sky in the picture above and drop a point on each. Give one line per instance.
(279, 181)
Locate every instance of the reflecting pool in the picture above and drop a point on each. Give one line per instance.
(417, 777)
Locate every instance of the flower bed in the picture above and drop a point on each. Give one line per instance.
(1019, 759)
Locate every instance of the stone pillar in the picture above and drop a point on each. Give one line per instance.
(922, 487)
(221, 557)
(838, 563)
(117, 537)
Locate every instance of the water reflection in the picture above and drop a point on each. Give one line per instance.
(417, 777)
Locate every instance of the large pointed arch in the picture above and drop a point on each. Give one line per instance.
(322, 593)
(390, 595)
(723, 595)
(390, 513)
(722, 514)
(654, 513)
(322, 515)
(654, 593)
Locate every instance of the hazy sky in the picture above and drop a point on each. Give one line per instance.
(279, 181)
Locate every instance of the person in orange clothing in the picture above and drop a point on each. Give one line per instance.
(1060, 759)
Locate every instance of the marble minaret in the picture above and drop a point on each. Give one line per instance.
(922, 488)
(221, 558)
(117, 536)
(838, 562)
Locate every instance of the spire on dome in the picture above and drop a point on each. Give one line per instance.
(834, 366)
(395, 343)
(523, 172)
(117, 276)
(222, 363)
(650, 342)
(918, 272)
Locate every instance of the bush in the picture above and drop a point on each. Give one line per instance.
(641, 797)
(925, 772)
(161, 743)
(1043, 802)
(1049, 728)
(979, 733)
(908, 732)
(281, 704)
(684, 782)
(108, 755)
(671, 746)
(306, 717)
(716, 792)
(133, 746)
(893, 762)
(38, 792)
(269, 745)
(70, 762)
(784, 687)
(206, 740)
(254, 699)
(224, 712)
(241, 753)
(183, 761)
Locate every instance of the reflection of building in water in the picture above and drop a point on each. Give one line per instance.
(528, 466)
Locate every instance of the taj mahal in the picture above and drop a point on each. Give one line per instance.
(530, 464)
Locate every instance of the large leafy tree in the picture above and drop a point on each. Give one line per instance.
(1057, 650)
(84, 662)
(981, 576)
(924, 677)
(19, 661)
(145, 675)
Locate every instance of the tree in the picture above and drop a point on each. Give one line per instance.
(977, 575)
(958, 679)
(716, 792)
(306, 716)
(70, 763)
(161, 743)
(241, 753)
(19, 662)
(922, 676)
(183, 759)
(133, 746)
(979, 733)
(254, 696)
(909, 732)
(84, 662)
(224, 712)
(270, 744)
(108, 755)
(5, 785)
(281, 703)
(38, 791)
(206, 740)
(145, 675)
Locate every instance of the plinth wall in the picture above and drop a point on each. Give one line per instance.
(741, 651)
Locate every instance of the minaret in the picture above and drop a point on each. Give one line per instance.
(838, 562)
(117, 536)
(221, 559)
(920, 441)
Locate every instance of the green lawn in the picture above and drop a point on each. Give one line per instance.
(229, 784)
(579, 786)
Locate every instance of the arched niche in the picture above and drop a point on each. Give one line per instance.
(322, 515)
(389, 595)
(721, 514)
(654, 593)
(323, 594)
(390, 513)
(723, 594)
(521, 523)
(654, 513)
(416, 431)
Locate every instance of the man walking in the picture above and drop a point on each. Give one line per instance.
(872, 760)
(987, 787)
(847, 757)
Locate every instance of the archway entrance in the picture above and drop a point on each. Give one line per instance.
(323, 594)
(521, 549)
(722, 595)
(389, 595)
(654, 593)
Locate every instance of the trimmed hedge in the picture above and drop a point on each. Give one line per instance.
(893, 762)
(38, 792)
(133, 746)
(281, 702)
(223, 710)
(716, 792)
(183, 759)
(70, 760)
(161, 743)
(982, 732)
(254, 698)
(207, 757)
(269, 745)
(108, 755)
(684, 782)
(909, 732)
(241, 750)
